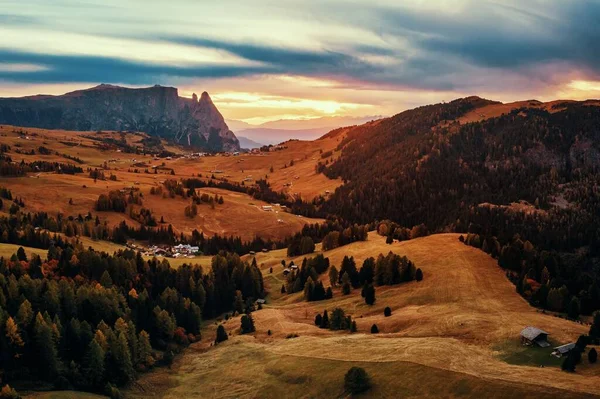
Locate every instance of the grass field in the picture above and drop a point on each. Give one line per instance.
(7, 250)
(454, 334)
(240, 215)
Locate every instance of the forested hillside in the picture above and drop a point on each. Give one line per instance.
(525, 183)
(419, 166)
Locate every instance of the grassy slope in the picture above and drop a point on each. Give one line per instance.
(239, 215)
(452, 335)
(7, 250)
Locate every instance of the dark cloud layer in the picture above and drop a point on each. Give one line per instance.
(67, 68)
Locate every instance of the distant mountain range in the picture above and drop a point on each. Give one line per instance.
(275, 132)
(248, 144)
(157, 111)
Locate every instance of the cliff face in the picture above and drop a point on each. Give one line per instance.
(157, 111)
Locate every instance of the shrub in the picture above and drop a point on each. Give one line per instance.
(592, 355)
(387, 312)
(357, 380)
(8, 393)
(369, 294)
(419, 275)
(318, 319)
(221, 334)
(374, 329)
(112, 391)
(247, 324)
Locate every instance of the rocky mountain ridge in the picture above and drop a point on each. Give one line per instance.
(157, 111)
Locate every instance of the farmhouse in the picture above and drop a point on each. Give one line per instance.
(563, 350)
(261, 301)
(533, 335)
(267, 208)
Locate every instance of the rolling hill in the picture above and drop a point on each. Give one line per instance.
(458, 329)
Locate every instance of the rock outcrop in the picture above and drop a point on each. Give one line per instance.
(157, 111)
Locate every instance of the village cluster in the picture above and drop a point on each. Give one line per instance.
(176, 251)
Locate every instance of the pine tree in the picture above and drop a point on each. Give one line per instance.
(247, 324)
(325, 320)
(106, 280)
(357, 380)
(329, 293)
(21, 255)
(93, 373)
(12, 333)
(238, 303)
(46, 350)
(318, 319)
(309, 287)
(144, 349)
(592, 355)
(346, 287)
(419, 275)
(333, 276)
(221, 334)
(24, 315)
(374, 329)
(573, 309)
(369, 294)
(121, 357)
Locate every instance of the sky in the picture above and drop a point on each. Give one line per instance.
(264, 60)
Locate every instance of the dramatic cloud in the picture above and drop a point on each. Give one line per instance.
(308, 52)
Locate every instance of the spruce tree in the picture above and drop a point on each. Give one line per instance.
(46, 350)
(247, 324)
(106, 280)
(122, 359)
(93, 372)
(357, 380)
(221, 334)
(592, 355)
(333, 276)
(144, 350)
(325, 320)
(369, 294)
(419, 275)
(238, 303)
(318, 319)
(346, 287)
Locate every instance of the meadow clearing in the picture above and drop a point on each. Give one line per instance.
(454, 334)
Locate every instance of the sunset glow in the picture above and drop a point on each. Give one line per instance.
(303, 60)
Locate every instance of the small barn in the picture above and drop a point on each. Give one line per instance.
(534, 335)
(563, 350)
(261, 301)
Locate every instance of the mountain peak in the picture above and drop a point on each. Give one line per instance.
(205, 98)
